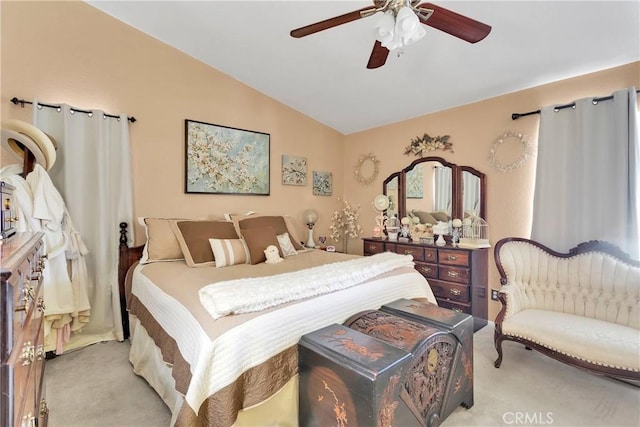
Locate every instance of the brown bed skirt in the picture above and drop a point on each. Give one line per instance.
(220, 409)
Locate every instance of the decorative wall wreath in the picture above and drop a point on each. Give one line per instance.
(422, 145)
(364, 158)
(527, 152)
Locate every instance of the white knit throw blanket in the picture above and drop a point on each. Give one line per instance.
(258, 293)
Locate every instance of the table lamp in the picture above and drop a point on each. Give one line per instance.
(310, 216)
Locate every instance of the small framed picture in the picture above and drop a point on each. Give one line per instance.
(331, 248)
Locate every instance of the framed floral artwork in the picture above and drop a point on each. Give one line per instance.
(322, 183)
(226, 160)
(294, 170)
(414, 181)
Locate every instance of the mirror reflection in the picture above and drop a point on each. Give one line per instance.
(470, 194)
(434, 190)
(391, 190)
(428, 192)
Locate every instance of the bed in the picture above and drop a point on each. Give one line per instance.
(215, 331)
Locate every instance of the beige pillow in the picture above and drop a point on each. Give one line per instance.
(425, 217)
(229, 252)
(194, 236)
(280, 224)
(286, 247)
(441, 216)
(257, 240)
(161, 244)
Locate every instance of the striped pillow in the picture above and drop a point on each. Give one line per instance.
(229, 252)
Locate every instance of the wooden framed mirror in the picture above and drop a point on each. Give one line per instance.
(390, 188)
(435, 189)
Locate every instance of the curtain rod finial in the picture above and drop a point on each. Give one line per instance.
(515, 116)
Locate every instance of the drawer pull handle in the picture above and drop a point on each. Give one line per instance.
(457, 310)
(452, 257)
(44, 409)
(452, 273)
(408, 252)
(455, 292)
(28, 420)
(40, 353)
(429, 255)
(426, 269)
(372, 248)
(28, 354)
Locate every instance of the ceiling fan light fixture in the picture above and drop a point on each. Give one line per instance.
(406, 21)
(396, 30)
(385, 29)
(416, 35)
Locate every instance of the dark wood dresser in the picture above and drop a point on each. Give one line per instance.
(458, 276)
(22, 333)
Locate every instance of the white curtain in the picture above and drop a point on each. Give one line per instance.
(442, 189)
(588, 174)
(470, 194)
(93, 174)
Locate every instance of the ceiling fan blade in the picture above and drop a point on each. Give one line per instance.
(455, 24)
(329, 23)
(378, 56)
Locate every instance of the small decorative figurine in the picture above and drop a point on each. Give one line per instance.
(272, 254)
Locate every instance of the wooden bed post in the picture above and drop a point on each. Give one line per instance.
(123, 266)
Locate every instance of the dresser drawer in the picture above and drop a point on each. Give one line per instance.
(416, 251)
(448, 290)
(430, 271)
(455, 306)
(27, 363)
(453, 257)
(430, 255)
(371, 248)
(454, 274)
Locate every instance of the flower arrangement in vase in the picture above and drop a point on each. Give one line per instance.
(344, 223)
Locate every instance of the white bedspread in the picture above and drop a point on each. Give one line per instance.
(258, 293)
(217, 363)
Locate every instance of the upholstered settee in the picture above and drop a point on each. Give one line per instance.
(582, 308)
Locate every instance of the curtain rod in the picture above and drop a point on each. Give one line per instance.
(17, 101)
(516, 116)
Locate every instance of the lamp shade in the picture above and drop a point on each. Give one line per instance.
(386, 28)
(406, 21)
(310, 216)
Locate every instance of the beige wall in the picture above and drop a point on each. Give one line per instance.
(73, 53)
(70, 52)
(473, 129)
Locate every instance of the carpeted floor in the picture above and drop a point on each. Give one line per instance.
(95, 386)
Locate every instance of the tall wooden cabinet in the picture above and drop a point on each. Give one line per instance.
(458, 276)
(22, 351)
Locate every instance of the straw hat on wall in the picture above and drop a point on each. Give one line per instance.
(18, 135)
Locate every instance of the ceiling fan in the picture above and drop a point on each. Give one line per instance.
(400, 25)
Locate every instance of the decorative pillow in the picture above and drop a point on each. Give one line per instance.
(229, 252)
(280, 224)
(161, 244)
(194, 236)
(425, 217)
(257, 240)
(231, 216)
(441, 216)
(286, 247)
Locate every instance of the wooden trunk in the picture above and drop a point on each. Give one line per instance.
(388, 367)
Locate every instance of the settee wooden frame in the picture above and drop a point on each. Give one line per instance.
(500, 337)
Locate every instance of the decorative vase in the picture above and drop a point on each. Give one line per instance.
(441, 241)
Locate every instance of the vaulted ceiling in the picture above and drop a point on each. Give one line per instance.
(324, 75)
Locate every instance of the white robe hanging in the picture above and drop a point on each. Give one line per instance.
(40, 207)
